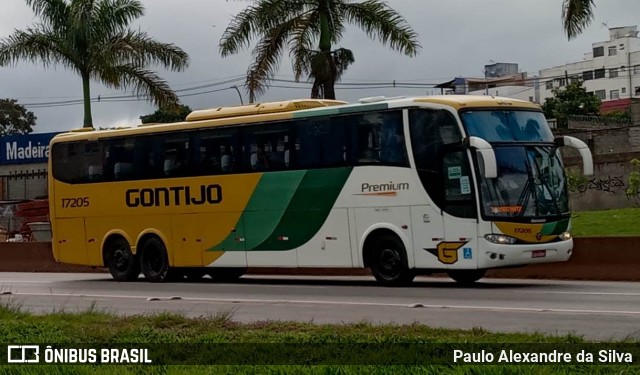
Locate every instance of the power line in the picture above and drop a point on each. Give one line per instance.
(343, 85)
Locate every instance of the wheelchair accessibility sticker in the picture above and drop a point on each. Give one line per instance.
(466, 253)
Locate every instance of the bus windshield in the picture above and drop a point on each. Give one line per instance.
(507, 126)
(530, 182)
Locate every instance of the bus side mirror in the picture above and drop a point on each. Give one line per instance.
(489, 164)
(582, 148)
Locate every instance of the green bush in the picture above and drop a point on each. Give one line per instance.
(634, 179)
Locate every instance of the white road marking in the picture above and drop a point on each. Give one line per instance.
(585, 293)
(293, 286)
(344, 303)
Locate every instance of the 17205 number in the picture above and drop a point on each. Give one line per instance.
(75, 202)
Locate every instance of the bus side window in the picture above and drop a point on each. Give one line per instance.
(308, 152)
(122, 170)
(93, 161)
(96, 173)
(265, 147)
(379, 139)
(176, 157)
(120, 159)
(68, 167)
(227, 161)
(428, 143)
(392, 140)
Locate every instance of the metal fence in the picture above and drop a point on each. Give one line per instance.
(16, 188)
(24, 184)
(600, 119)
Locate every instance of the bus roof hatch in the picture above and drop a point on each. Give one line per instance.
(261, 108)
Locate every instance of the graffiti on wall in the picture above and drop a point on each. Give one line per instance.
(608, 184)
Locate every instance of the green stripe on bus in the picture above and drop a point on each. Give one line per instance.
(268, 204)
(556, 227)
(264, 210)
(308, 210)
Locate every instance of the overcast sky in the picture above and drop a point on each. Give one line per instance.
(458, 37)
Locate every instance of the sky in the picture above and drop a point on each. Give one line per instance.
(458, 38)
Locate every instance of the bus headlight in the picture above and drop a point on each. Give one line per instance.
(565, 236)
(500, 239)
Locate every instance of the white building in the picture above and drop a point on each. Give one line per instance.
(611, 70)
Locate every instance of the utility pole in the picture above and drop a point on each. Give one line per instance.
(629, 71)
(239, 94)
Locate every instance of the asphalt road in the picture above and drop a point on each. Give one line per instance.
(595, 310)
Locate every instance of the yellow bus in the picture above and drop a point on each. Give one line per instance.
(403, 186)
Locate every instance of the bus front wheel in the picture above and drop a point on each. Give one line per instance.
(466, 277)
(123, 265)
(389, 262)
(155, 261)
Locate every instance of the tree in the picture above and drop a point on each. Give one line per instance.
(576, 16)
(326, 70)
(617, 116)
(570, 100)
(14, 118)
(93, 39)
(299, 25)
(167, 115)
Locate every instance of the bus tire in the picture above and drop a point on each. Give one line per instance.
(227, 274)
(389, 262)
(466, 277)
(122, 263)
(155, 261)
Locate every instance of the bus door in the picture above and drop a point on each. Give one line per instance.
(460, 210)
(69, 235)
(428, 233)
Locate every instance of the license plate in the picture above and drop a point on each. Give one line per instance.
(539, 253)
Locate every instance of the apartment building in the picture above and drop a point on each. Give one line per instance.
(611, 70)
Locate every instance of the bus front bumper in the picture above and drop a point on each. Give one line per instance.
(495, 255)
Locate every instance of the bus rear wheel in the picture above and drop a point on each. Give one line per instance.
(122, 264)
(466, 277)
(155, 261)
(389, 262)
(227, 274)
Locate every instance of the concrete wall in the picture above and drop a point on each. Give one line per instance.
(606, 189)
(613, 149)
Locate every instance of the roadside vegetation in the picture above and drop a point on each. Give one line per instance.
(103, 329)
(620, 222)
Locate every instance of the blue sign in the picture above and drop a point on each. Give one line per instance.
(25, 149)
(466, 253)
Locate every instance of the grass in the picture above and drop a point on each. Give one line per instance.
(284, 339)
(620, 222)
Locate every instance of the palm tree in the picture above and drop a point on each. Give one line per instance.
(93, 39)
(576, 16)
(326, 69)
(298, 25)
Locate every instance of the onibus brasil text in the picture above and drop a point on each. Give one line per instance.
(17, 354)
